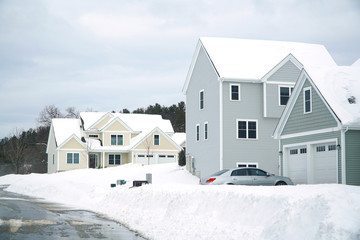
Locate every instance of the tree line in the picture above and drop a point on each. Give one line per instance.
(25, 151)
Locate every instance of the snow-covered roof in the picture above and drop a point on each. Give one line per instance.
(356, 63)
(340, 86)
(179, 138)
(64, 128)
(137, 122)
(252, 59)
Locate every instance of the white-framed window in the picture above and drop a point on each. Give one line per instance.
(332, 147)
(293, 151)
(247, 164)
(307, 100)
(114, 159)
(197, 132)
(205, 130)
(320, 149)
(303, 150)
(93, 135)
(201, 99)
(246, 129)
(234, 92)
(117, 139)
(284, 94)
(73, 158)
(156, 139)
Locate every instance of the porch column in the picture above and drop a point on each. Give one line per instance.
(103, 159)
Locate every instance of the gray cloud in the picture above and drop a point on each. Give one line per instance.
(129, 54)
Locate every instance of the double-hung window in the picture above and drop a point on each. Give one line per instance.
(156, 139)
(201, 99)
(72, 158)
(307, 100)
(284, 94)
(114, 159)
(205, 131)
(247, 129)
(117, 139)
(197, 132)
(234, 92)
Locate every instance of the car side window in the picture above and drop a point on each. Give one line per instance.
(239, 172)
(257, 172)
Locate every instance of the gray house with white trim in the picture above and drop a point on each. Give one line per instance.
(319, 130)
(235, 91)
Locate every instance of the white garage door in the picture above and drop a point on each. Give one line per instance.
(145, 159)
(325, 163)
(297, 164)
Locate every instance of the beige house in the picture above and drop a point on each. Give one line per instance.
(103, 139)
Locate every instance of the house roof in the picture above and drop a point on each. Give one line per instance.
(356, 63)
(245, 59)
(137, 122)
(64, 128)
(340, 86)
(179, 138)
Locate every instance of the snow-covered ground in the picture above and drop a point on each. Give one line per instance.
(176, 207)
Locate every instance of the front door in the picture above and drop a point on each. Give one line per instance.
(93, 160)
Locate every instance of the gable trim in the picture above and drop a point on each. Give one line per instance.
(73, 136)
(100, 119)
(301, 134)
(290, 58)
(103, 129)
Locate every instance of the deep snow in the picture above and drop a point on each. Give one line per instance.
(176, 207)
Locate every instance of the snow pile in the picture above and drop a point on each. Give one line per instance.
(176, 207)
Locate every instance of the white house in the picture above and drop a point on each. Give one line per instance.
(104, 139)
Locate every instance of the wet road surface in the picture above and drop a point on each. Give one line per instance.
(23, 217)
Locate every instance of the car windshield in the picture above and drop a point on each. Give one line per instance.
(220, 172)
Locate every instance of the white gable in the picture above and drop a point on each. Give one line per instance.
(64, 128)
(252, 59)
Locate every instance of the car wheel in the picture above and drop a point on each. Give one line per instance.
(280, 183)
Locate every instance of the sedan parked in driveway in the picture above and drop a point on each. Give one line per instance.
(245, 176)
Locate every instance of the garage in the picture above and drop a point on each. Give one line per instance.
(321, 157)
(325, 163)
(297, 164)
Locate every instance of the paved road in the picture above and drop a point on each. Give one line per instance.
(22, 217)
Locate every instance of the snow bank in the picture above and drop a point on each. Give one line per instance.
(176, 207)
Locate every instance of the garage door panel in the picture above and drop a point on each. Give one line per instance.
(297, 165)
(325, 163)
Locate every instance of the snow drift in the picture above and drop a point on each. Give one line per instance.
(176, 207)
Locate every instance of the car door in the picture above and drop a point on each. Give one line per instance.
(260, 177)
(241, 177)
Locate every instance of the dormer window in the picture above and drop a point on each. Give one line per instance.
(284, 94)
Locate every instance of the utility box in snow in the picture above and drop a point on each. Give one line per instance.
(149, 177)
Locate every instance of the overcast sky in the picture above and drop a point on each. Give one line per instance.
(114, 54)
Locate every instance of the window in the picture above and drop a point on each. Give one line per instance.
(114, 159)
(72, 158)
(170, 156)
(247, 164)
(320, 149)
(93, 135)
(162, 156)
(234, 92)
(206, 131)
(201, 99)
(156, 139)
(141, 155)
(247, 129)
(293, 151)
(197, 132)
(307, 100)
(117, 139)
(285, 93)
(303, 150)
(239, 172)
(332, 147)
(257, 172)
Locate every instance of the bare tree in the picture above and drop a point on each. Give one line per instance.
(48, 113)
(147, 143)
(16, 149)
(72, 113)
